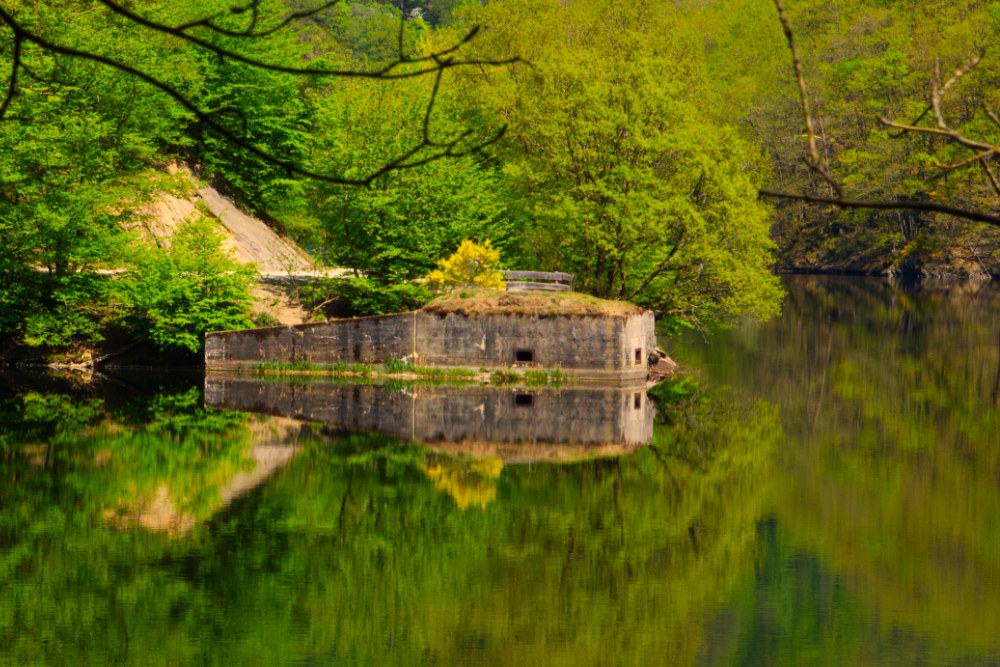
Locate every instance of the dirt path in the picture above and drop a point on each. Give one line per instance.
(255, 241)
(251, 240)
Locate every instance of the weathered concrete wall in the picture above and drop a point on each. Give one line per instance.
(580, 342)
(581, 415)
(638, 339)
(358, 340)
(600, 347)
(585, 415)
(637, 416)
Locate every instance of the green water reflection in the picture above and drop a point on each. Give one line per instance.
(888, 506)
(355, 553)
(839, 504)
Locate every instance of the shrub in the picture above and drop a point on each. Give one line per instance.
(471, 265)
(361, 296)
(174, 295)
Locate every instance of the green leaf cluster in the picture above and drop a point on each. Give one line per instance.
(864, 60)
(472, 265)
(173, 295)
(398, 228)
(624, 177)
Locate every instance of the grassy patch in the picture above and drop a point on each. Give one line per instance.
(555, 376)
(529, 303)
(390, 367)
(301, 366)
(393, 368)
(427, 371)
(399, 366)
(504, 377)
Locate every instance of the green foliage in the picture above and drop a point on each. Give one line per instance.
(681, 390)
(363, 296)
(888, 398)
(174, 295)
(628, 182)
(504, 376)
(554, 377)
(262, 320)
(399, 227)
(628, 185)
(271, 110)
(66, 308)
(864, 60)
(75, 150)
(399, 365)
(376, 533)
(366, 32)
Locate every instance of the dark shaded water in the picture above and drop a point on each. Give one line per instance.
(839, 504)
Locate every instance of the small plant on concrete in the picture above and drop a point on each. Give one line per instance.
(504, 377)
(399, 365)
(472, 265)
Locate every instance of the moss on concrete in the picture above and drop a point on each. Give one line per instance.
(476, 302)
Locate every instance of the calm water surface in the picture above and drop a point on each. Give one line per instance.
(831, 497)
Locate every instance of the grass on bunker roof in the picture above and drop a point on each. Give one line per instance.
(480, 301)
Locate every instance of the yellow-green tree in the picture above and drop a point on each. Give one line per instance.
(627, 180)
(471, 265)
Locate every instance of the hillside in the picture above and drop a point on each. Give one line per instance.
(280, 262)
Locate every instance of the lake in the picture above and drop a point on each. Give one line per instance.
(826, 491)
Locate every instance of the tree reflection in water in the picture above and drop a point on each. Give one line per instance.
(858, 525)
(352, 554)
(888, 507)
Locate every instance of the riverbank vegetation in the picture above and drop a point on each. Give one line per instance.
(622, 142)
(870, 68)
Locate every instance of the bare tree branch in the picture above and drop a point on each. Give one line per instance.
(985, 150)
(975, 216)
(432, 62)
(992, 115)
(424, 151)
(919, 118)
(990, 175)
(208, 22)
(402, 23)
(660, 268)
(12, 81)
(943, 129)
(944, 132)
(938, 94)
(817, 163)
(964, 163)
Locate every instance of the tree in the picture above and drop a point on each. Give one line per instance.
(399, 227)
(208, 31)
(174, 295)
(75, 144)
(471, 265)
(946, 147)
(627, 182)
(83, 118)
(862, 60)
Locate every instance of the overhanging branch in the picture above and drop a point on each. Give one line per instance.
(984, 150)
(930, 207)
(434, 64)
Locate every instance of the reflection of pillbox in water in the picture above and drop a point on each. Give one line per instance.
(514, 423)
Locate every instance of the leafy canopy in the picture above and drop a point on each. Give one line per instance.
(627, 180)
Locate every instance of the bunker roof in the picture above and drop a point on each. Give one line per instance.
(480, 301)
